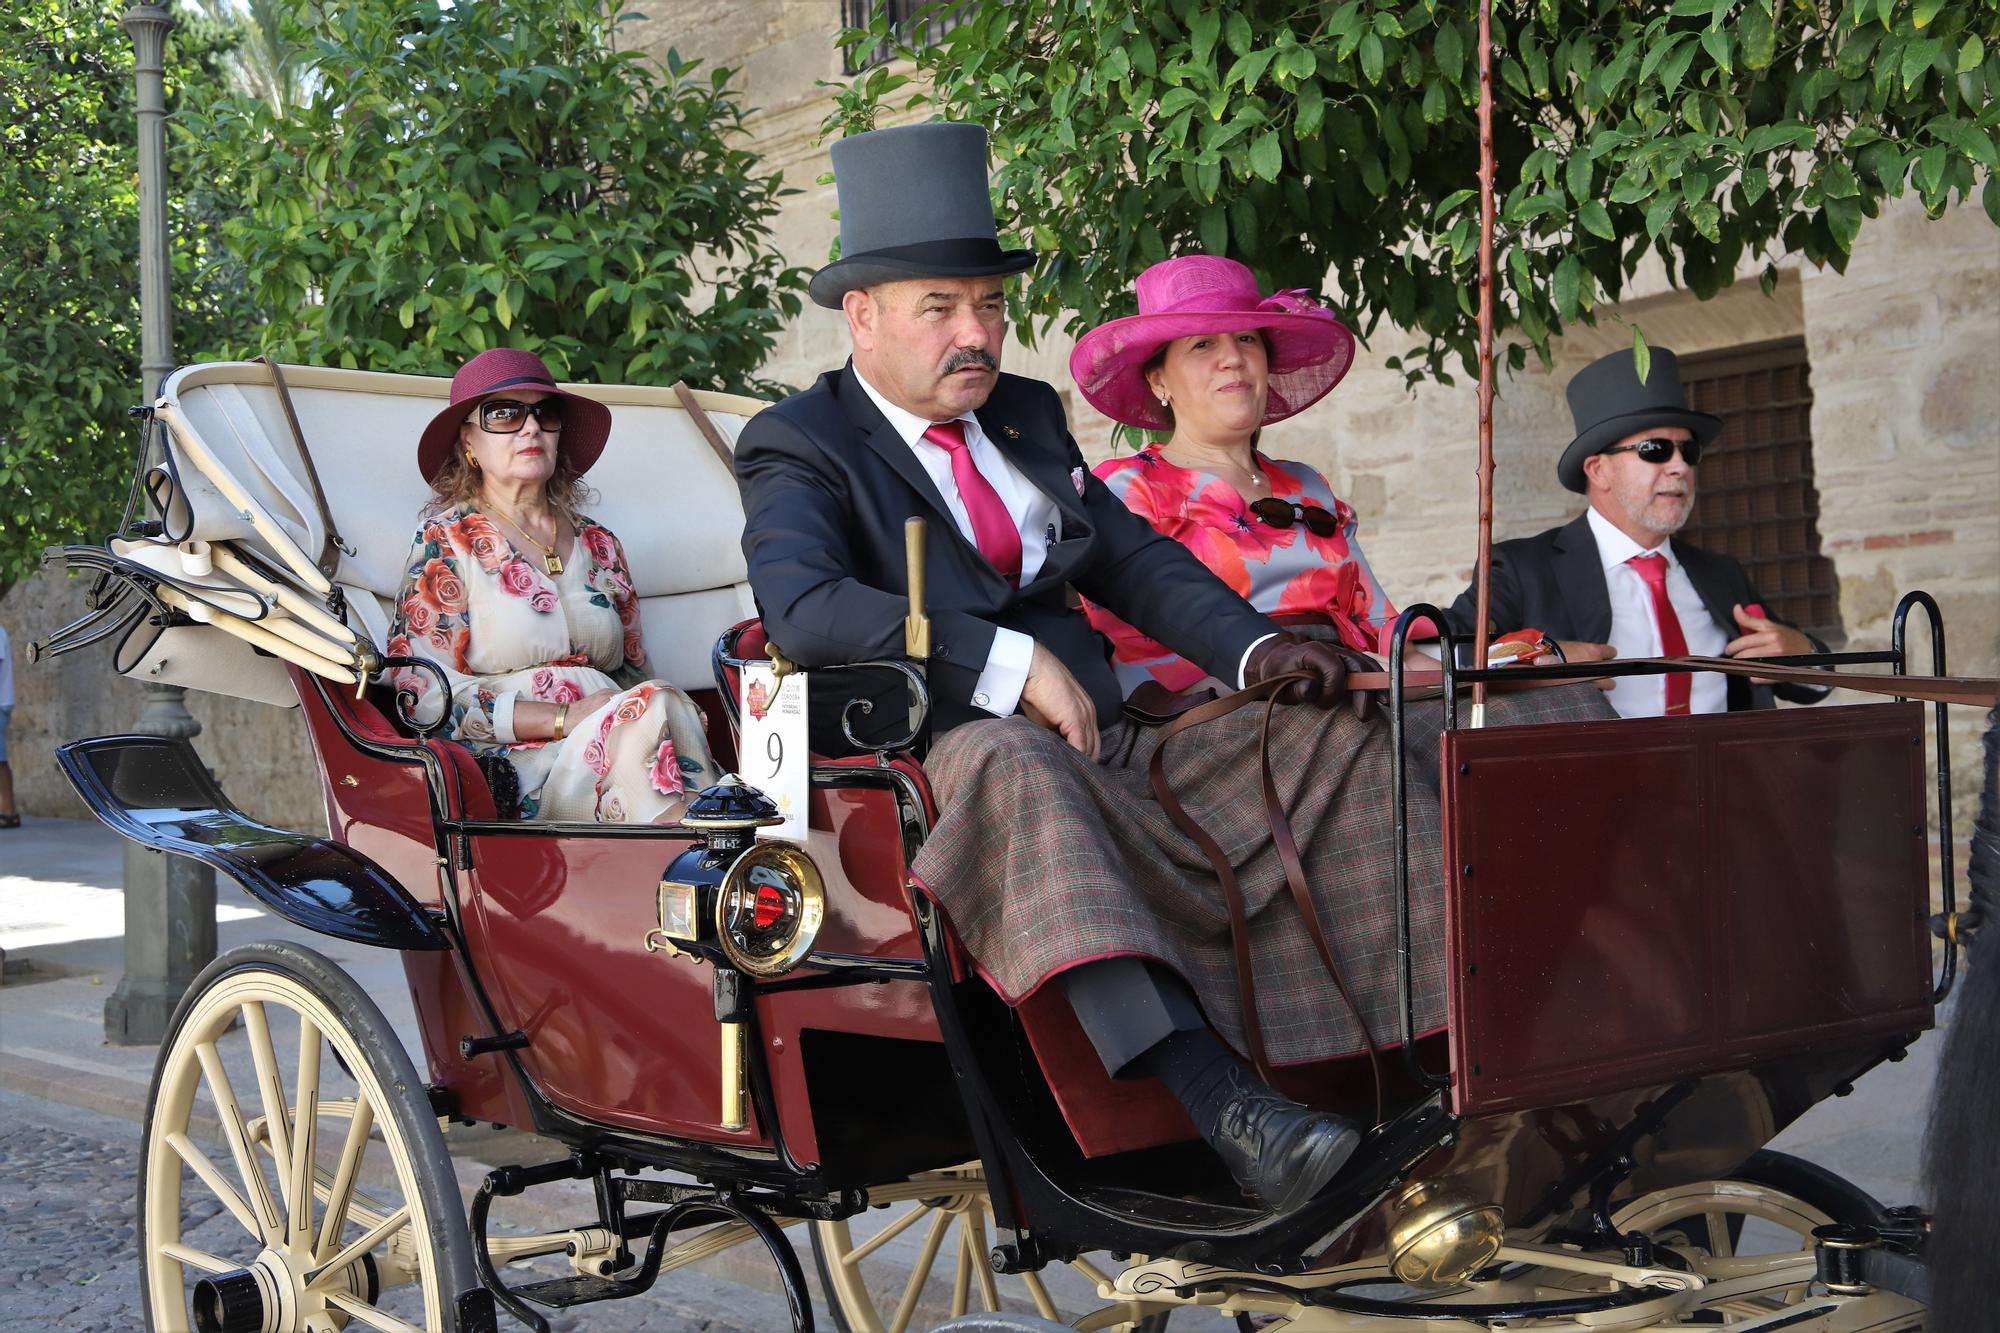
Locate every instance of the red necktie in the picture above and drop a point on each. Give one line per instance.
(993, 530)
(1652, 567)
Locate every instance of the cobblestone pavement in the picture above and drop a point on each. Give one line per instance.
(67, 1227)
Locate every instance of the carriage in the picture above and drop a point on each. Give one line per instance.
(725, 1037)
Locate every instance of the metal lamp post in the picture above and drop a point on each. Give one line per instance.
(169, 900)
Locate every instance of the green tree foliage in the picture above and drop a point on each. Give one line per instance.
(1308, 137)
(485, 175)
(69, 262)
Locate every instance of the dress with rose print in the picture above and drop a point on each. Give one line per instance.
(1280, 571)
(503, 632)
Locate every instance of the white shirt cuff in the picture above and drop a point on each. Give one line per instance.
(998, 689)
(1243, 667)
(503, 717)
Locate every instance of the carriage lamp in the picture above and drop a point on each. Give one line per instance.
(1439, 1236)
(753, 909)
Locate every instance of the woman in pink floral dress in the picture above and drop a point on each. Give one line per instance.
(528, 607)
(1211, 361)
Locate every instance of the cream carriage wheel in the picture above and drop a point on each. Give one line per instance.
(923, 1259)
(293, 1177)
(1768, 1206)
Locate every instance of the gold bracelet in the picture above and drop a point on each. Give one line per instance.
(562, 720)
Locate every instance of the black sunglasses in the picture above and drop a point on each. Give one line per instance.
(1281, 513)
(1660, 449)
(505, 416)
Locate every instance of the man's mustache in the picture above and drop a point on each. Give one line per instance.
(968, 356)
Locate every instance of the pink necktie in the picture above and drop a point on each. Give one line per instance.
(993, 530)
(1652, 567)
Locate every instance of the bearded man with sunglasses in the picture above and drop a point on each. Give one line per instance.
(1613, 582)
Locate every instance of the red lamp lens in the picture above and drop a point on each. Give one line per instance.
(770, 906)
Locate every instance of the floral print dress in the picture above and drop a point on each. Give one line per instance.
(1280, 571)
(504, 632)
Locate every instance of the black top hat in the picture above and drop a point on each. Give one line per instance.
(913, 204)
(1609, 403)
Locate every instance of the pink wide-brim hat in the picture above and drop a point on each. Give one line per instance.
(586, 422)
(1196, 294)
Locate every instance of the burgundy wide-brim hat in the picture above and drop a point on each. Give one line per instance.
(1310, 350)
(586, 422)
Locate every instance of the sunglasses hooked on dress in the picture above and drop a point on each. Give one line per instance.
(1283, 513)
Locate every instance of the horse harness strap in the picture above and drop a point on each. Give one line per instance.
(1266, 692)
(1974, 690)
(329, 554)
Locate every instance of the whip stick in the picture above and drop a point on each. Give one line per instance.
(916, 624)
(1480, 573)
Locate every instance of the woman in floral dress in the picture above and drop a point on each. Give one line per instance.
(528, 607)
(1211, 361)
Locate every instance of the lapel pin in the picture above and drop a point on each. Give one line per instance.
(1010, 432)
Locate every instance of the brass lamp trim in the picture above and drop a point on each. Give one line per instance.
(801, 879)
(1441, 1236)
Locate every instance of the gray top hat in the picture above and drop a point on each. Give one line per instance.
(1608, 402)
(913, 204)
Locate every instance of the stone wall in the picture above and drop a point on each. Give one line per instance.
(259, 753)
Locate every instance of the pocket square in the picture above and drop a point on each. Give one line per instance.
(1076, 479)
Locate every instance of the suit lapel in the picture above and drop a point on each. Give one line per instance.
(879, 435)
(1708, 577)
(1044, 468)
(1580, 579)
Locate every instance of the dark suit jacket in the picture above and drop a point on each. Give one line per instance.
(827, 483)
(1554, 582)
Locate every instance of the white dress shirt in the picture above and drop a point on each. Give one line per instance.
(998, 689)
(1635, 633)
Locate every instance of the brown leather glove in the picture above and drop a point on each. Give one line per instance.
(1326, 665)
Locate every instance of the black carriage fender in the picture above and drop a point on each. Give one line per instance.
(156, 791)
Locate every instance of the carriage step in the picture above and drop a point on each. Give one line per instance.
(580, 1289)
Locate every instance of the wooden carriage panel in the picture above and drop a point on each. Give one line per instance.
(1653, 899)
(557, 925)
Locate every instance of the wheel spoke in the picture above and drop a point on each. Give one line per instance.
(1038, 1293)
(921, 1273)
(883, 1237)
(230, 1113)
(363, 1243)
(1091, 1271)
(193, 1258)
(961, 1271)
(305, 1135)
(975, 1248)
(270, 1088)
(218, 1185)
(340, 1193)
(1719, 1246)
(368, 1314)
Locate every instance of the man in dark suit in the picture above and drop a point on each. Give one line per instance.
(921, 421)
(1613, 582)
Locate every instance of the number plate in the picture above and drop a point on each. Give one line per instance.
(773, 753)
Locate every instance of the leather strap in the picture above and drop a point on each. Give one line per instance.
(705, 424)
(1264, 691)
(329, 555)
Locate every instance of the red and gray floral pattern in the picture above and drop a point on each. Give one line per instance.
(1277, 570)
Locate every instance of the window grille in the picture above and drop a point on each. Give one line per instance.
(903, 17)
(1755, 496)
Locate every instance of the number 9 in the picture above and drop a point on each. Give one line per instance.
(774, 750)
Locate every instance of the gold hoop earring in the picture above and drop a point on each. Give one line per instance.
(470, 461)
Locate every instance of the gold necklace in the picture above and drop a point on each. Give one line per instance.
(550, 560)
(1255, 474)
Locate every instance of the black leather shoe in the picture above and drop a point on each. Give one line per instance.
(1280, 1152)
